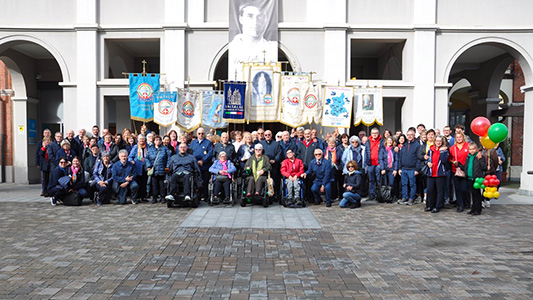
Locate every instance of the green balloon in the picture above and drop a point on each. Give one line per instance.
(477, 185)
(479, 180)
(497, 132)
(483, 186)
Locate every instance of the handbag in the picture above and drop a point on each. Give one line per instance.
(384, 192)
(72, 199)
(458, 171)
(151, 171)
(270, 186)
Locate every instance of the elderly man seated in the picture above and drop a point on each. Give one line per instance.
(259, 166)
(182, 166)
(322, 170)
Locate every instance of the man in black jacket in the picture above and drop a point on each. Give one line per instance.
(306, 152)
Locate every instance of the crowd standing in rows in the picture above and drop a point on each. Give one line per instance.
(418, 166)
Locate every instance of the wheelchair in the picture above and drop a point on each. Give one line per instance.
(232, 194)
(179, 197)
(290, 202)
(263, 197)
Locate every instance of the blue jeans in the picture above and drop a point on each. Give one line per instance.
(315, 189)
(448, 187)
(349, 198)
(373, 176)
(408, 182)
(387, 178)
(133, 187)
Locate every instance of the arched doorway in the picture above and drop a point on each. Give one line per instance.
(36, 102)
(482, 78)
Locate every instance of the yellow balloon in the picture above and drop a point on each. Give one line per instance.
(493, 189)
(496, 195)
(485, 194)
(487, 143)
(489, 195)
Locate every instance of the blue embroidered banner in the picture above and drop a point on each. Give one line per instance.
(142, 89)
(234, 92)
(213, 107)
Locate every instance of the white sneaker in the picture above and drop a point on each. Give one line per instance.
(487, 203)
(169, 198)
(187, 198)
(53, 201)
(484, 203)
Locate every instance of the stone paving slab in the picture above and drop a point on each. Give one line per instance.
(257, 216)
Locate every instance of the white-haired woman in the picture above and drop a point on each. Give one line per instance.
(224, 170)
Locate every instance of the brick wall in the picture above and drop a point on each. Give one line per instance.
(5, 83)
(518, 122)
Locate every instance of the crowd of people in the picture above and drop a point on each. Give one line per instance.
(419, 166)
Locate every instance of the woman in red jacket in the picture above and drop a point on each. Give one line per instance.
(458, 154)
(292, 168)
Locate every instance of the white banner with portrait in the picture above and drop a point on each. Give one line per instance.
(253, 34)
(368, 106)
(262, 93)
(189, 109)
(337, 106)
(293, 90)
(312, 105)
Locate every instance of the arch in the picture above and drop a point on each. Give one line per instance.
(518, 52)
(17, 79)
(51, 49)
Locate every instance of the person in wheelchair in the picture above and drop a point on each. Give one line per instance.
(182, 167)
(223, 171)
(259, 166)
(292, 169)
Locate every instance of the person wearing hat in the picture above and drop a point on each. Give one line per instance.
(66, 152)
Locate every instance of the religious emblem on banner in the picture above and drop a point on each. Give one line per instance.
(165, 108)
(293, 90)
(234, 101)
(368, 106)
(213, 108)
(263, 92)
(189, 116)
(142, 90)
(337, 106)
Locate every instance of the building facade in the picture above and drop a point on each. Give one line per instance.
(66, 60)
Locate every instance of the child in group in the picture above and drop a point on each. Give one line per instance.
(352, 184)
(475, 167)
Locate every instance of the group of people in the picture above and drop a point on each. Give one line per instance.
(418, 165)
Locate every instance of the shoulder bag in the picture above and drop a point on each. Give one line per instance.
(458, 171)
(151, 172)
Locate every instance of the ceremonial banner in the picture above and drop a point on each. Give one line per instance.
(368, 106)
(262, 97)
(337, 106)
(189, 110)
(253, 34)
(165, 108)
(293, 91)
(312, 106)
(213, 107)
(142, 89)
(234, 92)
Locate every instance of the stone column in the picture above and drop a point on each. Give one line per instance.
(20, 140)
(526, 181)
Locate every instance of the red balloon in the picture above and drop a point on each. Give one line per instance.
(493, 182)
(497, 182)
(486, 182)
(494, 177)
(480, 126)
(488, 177)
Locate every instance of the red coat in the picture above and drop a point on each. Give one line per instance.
(292, 168)
(458, 155)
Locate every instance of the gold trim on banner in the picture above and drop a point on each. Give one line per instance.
(276, 68)
(141, 119)
(177, 111)
(367, 124)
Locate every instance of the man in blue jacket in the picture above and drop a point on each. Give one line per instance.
(182, 167)
(202, 150)
(123, 173)
(272, 150)
(323, 177)
(409, 164)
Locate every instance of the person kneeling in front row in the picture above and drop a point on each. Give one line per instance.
(123, 174)
(352, 183)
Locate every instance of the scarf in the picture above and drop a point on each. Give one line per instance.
(140, 153)
(428, 146)
(333, 152)
(389, 156)
(45, 153)
(306, 143)
(470, 170)
(225, 167)
(174, 144)
(74, 173)
(107, 146)
(257, 166)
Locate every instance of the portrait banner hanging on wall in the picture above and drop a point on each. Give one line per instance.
(253, 34)
(368, 106)
(262, 97)
(234, 102)
(312, 105)
(337, 106)
(189, 109)
(165, 108)
(293, 90)
(213, 109)
(142, 90)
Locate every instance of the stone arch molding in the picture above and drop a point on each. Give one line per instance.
(517, 51)
(293, 60)
(49, 47)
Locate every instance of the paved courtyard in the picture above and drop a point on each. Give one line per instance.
(148, 251)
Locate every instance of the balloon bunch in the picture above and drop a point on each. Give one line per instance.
(491, 183)
(490, 134)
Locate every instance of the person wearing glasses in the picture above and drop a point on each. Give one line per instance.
(352, 184)
(322, 170)
(408, 166)
(56, 190)
(272, 149)
(259, 166)
(53, 149)
(202, 150)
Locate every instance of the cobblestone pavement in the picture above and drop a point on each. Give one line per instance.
(376, 252)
